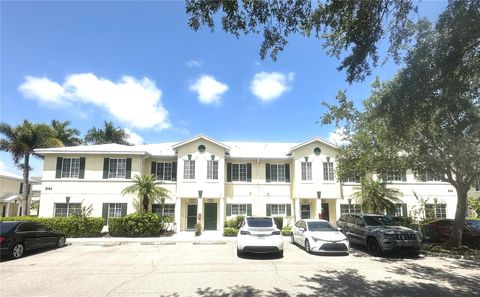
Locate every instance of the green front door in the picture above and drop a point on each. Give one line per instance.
(210, 216)
(191, 216)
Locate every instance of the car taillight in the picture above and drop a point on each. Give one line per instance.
(2, 239)
(243, 232)
(276, 232)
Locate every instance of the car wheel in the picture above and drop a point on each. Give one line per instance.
(373, 247)
(292, 239)
(414, 254)
(239, 253)
(60, 241)
(17, 250)
(307, 246)
(280, 254)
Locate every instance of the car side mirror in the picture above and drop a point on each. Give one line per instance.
(301, 229)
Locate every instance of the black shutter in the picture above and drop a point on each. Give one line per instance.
(106, 165)
(128, 173)
(229, 210)
(124, 209)
(81, 174)
(229, 172)
(105, 213)
(267, 172)
(21, 189)
(269, 210)
(404, 210)
(249, 209)
(287, 173)
(174, 171)
(153, 169)
(58, 173)
(249, 172)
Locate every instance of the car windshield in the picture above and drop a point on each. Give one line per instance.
(380, 221)
(473, 225)
(259, 222)
(320, 226)
(6, 227)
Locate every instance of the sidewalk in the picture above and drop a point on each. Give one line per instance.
(183, 236)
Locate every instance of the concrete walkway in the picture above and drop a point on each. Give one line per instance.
(183, 236)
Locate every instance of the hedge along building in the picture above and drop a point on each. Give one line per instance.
(210, 181)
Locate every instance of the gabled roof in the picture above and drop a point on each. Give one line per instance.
(226, 147)
(109, 148)
(317, 139)
(261, 150)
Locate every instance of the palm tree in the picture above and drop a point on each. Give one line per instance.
(67, 135)
(20, 141)
(375, 197)
(148, 190)
(109, 134)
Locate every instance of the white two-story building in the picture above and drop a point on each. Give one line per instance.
(212, 181)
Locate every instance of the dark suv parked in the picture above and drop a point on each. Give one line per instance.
(379, 233)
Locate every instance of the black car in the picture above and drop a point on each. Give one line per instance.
(18, 237)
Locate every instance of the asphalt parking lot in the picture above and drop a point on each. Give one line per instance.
(213, 269)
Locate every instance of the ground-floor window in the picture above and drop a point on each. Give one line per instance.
(239, 209)
(400, 210)
(65, 210)
(113, 210)
(168, 209)
(350, 208)
(305, 211)
(437, 211)
(280, 210)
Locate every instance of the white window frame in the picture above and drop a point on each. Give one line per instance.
(120, 170)
(163, 173)
(212, 170)
(238, 209)
(239, 172)
(350, 208)
(73, 170)
(168, 209)
(328, 172)
(114, 210)
(394, 176)
(439, 210)
(430, 178)
(306, 169)
(277, 173)
(189, 169)
(72, 208)
(279, 210)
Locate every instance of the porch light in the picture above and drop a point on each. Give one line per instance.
(319, 194)
(200, 193)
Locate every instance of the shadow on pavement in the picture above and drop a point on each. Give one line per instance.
(31, 253)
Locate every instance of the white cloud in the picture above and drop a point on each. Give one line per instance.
(209, 89)
(338, 136)
(269, 86)
(135, 102)
(2, 165)
(133, 137)
(194, 63)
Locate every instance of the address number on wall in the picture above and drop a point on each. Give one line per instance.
(48, 188)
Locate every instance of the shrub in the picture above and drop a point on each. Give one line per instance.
(235, 222)
(286, 231)
(198, 229)
(278, 222)
(230, 232)
(73, 226)
(404, 221)
(138, 225)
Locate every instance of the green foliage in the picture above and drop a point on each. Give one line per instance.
(375, 197)
(72, 226)
(109, 134)
(234, 222)
(404, 221)
(287, 230)
(230, 232)
(278, 222)
(474, 205)
(68, 136)
(148, 190)
(356, 26)
(138, 225)
(198, 229)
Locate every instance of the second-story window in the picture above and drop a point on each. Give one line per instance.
(328, 171)
(431, 177)
(189, 169)
(354, 178)
(70, 167)
(394, 175)
(239, 172)
(164, 171)
(117, 168)
(306, 170)
(212, 169)
(277, 173)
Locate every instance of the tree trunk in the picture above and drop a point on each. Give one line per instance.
(145, 203)
(26, 171)
(458, 225)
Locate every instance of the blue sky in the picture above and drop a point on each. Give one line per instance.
(139, 65)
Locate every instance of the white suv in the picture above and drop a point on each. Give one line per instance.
(259, 235)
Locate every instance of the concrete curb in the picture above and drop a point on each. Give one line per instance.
(445, 255)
